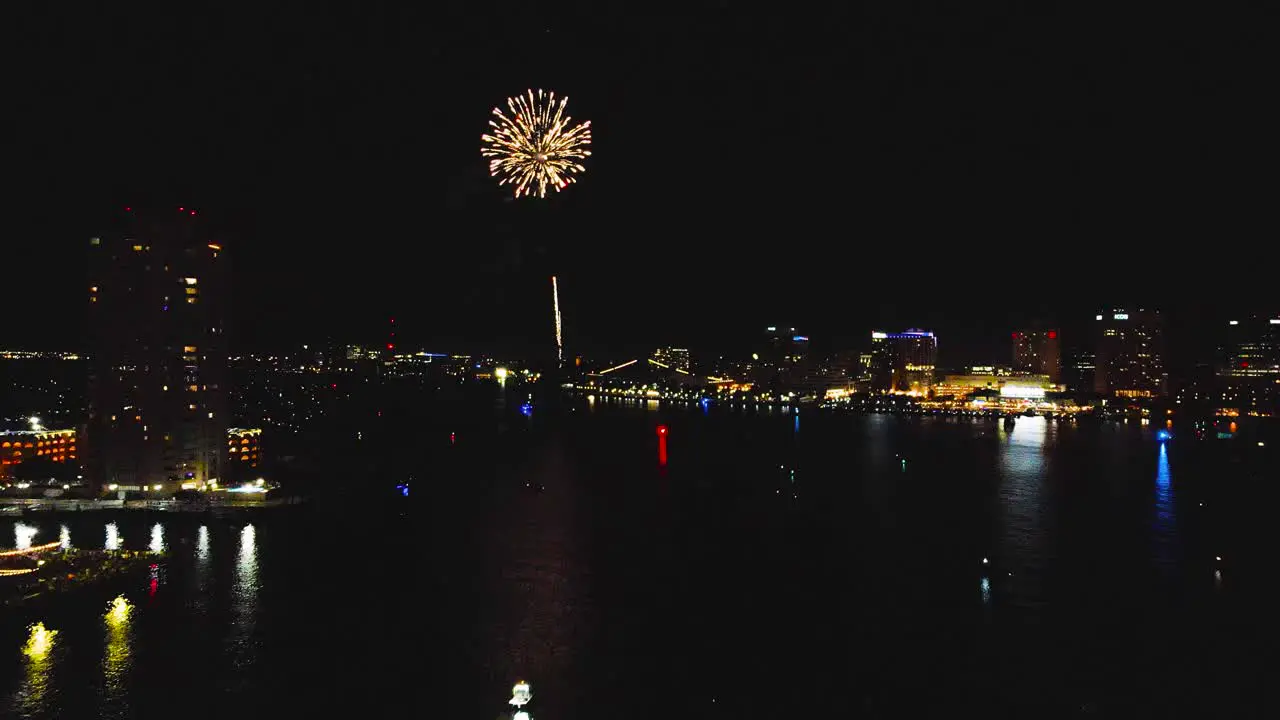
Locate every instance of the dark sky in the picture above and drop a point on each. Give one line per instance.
(960, 166)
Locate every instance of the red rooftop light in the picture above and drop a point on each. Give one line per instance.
(1053, 334)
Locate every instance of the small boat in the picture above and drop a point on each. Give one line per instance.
(1009, 420)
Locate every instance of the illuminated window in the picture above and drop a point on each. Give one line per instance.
(191, 388)
(95, 241)
(190, 281)
(193, 291)
(137, 248)
(192, 301)
(93, 289)
(189, 348)
(192, 406)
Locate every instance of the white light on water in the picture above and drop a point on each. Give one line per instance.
(113, 537)
(64, 537)
(202, 543)
(23, 534)
(157, 538)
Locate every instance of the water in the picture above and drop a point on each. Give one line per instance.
(765, 568)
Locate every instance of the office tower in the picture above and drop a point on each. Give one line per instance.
(1080, 370)
(1249, 367)
(157, 418)
(1130, 356)
(677, 358)
(903, 362)
(783, 359)
(1252, 351)
(1037, 352)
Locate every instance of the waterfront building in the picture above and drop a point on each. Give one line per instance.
(1130, 353)
(157, 379)
(19, 446)
(1252, 350)
(903, 362)
(244, 453)
(1037, 352)
(674, 357)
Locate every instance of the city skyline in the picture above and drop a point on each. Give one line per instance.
(348, 201)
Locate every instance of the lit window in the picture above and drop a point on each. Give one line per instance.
(95, 241)
(193, 291)
(190, 281)
(137, 248)
(191, 388)
(189, 348)
(191, 300)
(192, 406)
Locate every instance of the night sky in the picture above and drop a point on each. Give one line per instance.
(965, 167)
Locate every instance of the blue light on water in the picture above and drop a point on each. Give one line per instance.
(526, 409)
(404, 489)
(1163, 435)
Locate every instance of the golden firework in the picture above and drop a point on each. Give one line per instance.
(536, 144)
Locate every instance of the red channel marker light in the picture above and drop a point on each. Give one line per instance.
(662, 429)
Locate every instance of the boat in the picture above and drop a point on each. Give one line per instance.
(1009, 420)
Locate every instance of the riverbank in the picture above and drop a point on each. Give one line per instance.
(13, 505)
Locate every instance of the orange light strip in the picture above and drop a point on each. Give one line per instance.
(11, 573)
(32, 549)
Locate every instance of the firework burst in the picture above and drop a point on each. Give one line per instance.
(535, 146)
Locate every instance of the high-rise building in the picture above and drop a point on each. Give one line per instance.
(1037, 352)
(783, 360)
(1252, 351)
(903, 362)
(1130, 357)
(675, 357)
(157, 382)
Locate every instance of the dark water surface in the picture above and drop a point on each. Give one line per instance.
(775, 566)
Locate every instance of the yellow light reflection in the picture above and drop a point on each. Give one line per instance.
(39, 642)
(118, 612)
(118, 653)
(31, 697)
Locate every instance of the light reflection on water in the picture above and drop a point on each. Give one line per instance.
(244, 601)
(113, 537)
(157, 538)
(1166, 519)
(1024, 523)
(117, 659)
(33, 697)
(64, 537)
(23, 534)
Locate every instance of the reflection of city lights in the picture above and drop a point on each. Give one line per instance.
(521, 694)
(40, 641)
(202, 543)
(22, 535)
(113, 537)
(64, 537)
(118, 612)
(157, 538)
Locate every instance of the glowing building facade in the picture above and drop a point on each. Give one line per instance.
(19, 446)
(675, 357)
(157, 378)
(904, 362)
(1130, 356)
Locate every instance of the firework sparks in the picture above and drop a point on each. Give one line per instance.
(536, 146)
